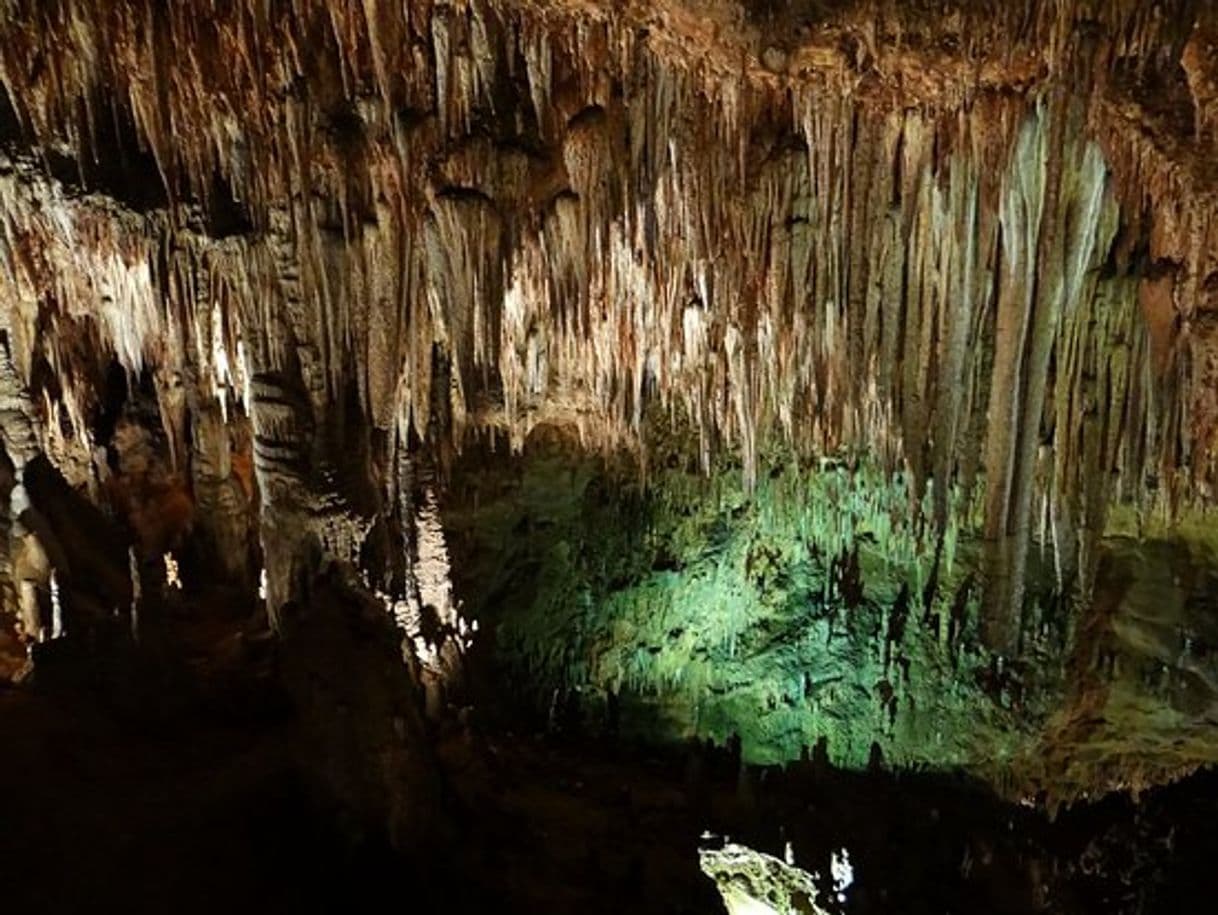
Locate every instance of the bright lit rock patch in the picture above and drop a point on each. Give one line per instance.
(754, 883)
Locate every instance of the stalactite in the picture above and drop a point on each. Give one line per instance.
(503, 216)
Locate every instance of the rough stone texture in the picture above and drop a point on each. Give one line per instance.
(754, 883)
(814, 615)
(967, 246)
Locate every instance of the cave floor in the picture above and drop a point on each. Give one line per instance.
(192, 803)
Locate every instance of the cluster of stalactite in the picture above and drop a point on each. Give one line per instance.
(971, 249)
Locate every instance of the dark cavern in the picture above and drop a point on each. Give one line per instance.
(638, 456)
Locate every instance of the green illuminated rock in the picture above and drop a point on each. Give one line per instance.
(814, 608)
(821, 608)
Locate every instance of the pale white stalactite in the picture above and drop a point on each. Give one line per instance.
(129, 308)
(432, 570)
(429, 594)
(172, 576)
(57, 630)
(222, 377)
(246, 393)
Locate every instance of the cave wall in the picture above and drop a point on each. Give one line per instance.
(815, 616)
(972, 250)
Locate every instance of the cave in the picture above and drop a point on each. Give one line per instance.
(675, 456)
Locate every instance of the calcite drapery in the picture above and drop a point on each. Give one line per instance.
(979, 247)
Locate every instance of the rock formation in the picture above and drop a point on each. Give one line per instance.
(270, 269)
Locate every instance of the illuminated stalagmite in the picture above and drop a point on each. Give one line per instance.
(973, 242)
